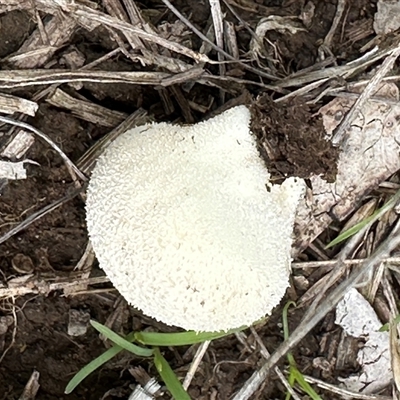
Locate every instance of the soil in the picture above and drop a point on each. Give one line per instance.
(292, 141)
(53, 245)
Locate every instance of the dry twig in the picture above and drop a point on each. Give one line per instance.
(41, 213)
(28, 284)
(386, 66)
(45, 138)
(195, 363)
(11, 104)
(326, 305)
(86, 110)
(344, 393)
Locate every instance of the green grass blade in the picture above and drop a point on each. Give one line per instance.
(294, 374)
(179, 338)
(385, 328)
(120, 341)
(306, 386)
(291, 382)
(292, 362)
(168, 376)
(93, 365)
(353, 230)
(285, 319)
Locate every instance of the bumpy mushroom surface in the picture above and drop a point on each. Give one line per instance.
(186, 225)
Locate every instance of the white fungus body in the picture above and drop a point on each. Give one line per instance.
(186, 225)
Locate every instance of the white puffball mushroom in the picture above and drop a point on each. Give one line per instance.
(186, 225)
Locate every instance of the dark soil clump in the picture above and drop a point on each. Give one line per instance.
(292, 141)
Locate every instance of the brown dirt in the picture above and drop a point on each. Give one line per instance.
(55, 243)
(292, 140)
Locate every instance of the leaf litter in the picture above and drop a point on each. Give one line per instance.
(118, 46)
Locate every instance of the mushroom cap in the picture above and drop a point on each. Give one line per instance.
(186, 225)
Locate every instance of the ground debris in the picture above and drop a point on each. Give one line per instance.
(134, 63)
(31, 388)
(387, 17)
(358, 319)
(292, 141)
(14, 170)
(368, 156)
(78, 323)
